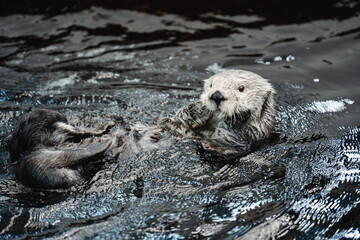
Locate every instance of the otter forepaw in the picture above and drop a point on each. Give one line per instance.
(109, 125)
(106, 127)
(193, 115)
(156, 135)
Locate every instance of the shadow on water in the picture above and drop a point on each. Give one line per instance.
(135, 61)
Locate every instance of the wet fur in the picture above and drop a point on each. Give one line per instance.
(47, 151)
(139, 139)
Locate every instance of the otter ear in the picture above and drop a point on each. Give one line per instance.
(273, 91)
(266, 116)
(266, 96)
(268, 101)
(269, 94)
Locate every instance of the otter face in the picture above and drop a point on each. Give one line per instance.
(236, 94)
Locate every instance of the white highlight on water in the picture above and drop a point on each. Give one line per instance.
(329, 105)
(277, 59)
(62, 82)
(134, 80)
(214, 68)
(290, 58)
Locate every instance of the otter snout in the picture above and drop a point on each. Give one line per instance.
(217, 97)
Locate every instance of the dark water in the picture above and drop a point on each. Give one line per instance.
(135, 61)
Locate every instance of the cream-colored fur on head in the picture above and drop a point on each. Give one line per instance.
(246, 94)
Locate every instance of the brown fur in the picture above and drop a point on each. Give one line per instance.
(47, 151)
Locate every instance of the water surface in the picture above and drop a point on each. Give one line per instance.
(136, 61)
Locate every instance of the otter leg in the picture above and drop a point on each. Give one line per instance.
(50, 168)
(74, 154)
(81, 131)
(40, 176)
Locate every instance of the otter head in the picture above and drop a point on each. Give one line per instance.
(243, 98)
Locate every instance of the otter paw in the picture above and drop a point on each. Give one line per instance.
(108, 126)
(155, 137)
(194, 115)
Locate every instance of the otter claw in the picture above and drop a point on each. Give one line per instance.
(109, 125)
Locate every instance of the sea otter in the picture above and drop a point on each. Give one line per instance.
(236, 108)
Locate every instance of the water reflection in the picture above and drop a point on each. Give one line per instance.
(134, 61)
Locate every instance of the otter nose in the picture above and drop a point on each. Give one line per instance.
(217, 97)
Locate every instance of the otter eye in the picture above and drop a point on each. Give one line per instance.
(210, 85)
(241, 88)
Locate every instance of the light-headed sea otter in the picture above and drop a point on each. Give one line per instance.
(235, 109)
